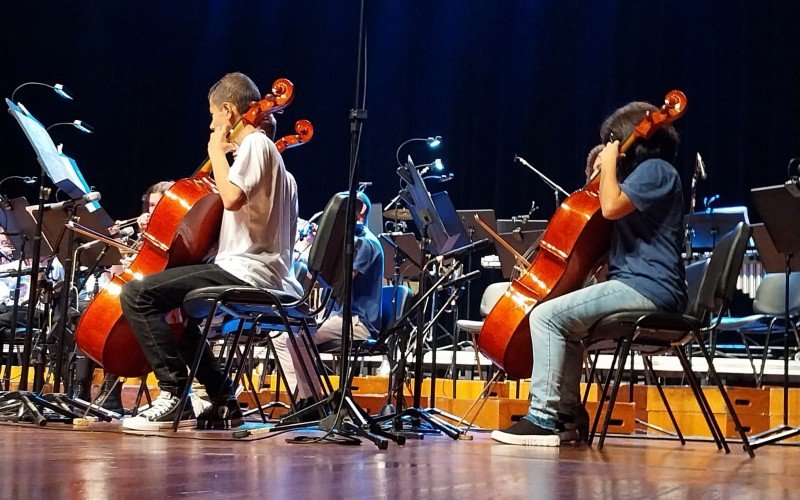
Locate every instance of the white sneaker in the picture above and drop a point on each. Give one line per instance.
(160, 415)
(385, 368)
(199, 405)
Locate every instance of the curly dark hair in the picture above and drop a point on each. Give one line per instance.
(617, 127)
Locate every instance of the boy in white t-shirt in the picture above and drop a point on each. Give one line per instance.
(255, 248)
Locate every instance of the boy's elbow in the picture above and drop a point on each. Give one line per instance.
(234, 203)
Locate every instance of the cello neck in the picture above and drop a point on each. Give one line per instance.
(234, 134)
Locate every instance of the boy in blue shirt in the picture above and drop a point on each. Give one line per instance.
(641, 193)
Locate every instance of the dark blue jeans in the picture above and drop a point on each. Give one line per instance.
(145, 303)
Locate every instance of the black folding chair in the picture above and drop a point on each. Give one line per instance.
(272, 310)
(650, 333)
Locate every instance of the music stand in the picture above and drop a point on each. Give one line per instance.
(434, 238)
(63, 172)
(20, 226)
(424, 212)
(779, 208)
(474, 230)
(709, 225)
(408, 260)
(521, 224)
(450, 218)
(520, 241)
(772, 261)
(55, 233)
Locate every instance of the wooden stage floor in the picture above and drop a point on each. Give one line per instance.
(56, 462)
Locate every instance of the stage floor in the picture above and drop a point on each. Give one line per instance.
(57, 462)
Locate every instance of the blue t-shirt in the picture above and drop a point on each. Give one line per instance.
(646, 244)
(367, 283)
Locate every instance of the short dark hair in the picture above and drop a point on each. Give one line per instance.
(617, 127)
(158, 187)
(236, 88)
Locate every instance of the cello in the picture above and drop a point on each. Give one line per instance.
(572, 248)
(183, 228)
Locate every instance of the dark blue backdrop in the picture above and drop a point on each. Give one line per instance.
(493, 78)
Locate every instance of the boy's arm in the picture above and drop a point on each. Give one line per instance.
(233, 198)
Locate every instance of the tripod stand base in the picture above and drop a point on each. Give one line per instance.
(417, 417)
(31, 407)
(773, 435)
(350, 422)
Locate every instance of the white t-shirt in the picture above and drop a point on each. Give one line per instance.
(256, 241)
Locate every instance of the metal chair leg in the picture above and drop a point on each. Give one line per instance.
(601, 398)
(705, 409)
(626, 348)
(648, 366)
(729, 405)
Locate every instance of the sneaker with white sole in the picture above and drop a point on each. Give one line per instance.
(160, 415)
(526, 433)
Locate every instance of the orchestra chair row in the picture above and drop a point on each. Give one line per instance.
(274, 310)
(652, 333)
(769, 310)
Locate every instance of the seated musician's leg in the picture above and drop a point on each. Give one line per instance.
(145, 303)
(555, 324)
(331, 329)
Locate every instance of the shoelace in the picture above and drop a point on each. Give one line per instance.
(161, 405)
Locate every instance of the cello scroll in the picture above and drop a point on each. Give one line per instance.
(304, 132)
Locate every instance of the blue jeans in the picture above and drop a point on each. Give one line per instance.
(557, 327)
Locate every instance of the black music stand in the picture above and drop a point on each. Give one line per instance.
(407, 258)
(772, 261)
(709, 225)
(474, 230)
(520, 224)
(779, 208)
(435, 238)
(64, 173)
(56, 233)
(520, 241)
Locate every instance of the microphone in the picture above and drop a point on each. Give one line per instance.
(457, 252)
(83, 200)
(461, 279)
(700, 167)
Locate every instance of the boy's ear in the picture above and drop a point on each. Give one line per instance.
(229, 108)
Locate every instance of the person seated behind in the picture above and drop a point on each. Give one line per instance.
(84, 367)
(255, 249)
(366, 306)
(150, 199)
(641, 193)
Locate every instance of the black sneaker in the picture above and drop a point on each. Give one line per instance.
(224, 416)
(161, 414)
(302, 413)
(574, 427)
(526, 433)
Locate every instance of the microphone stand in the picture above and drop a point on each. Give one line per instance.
(555, 187)
(348, 418)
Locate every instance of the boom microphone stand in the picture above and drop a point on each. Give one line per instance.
(348, 418)
(557, 190)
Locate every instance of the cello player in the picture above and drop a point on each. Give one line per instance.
(641, 193)
(255, 248)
